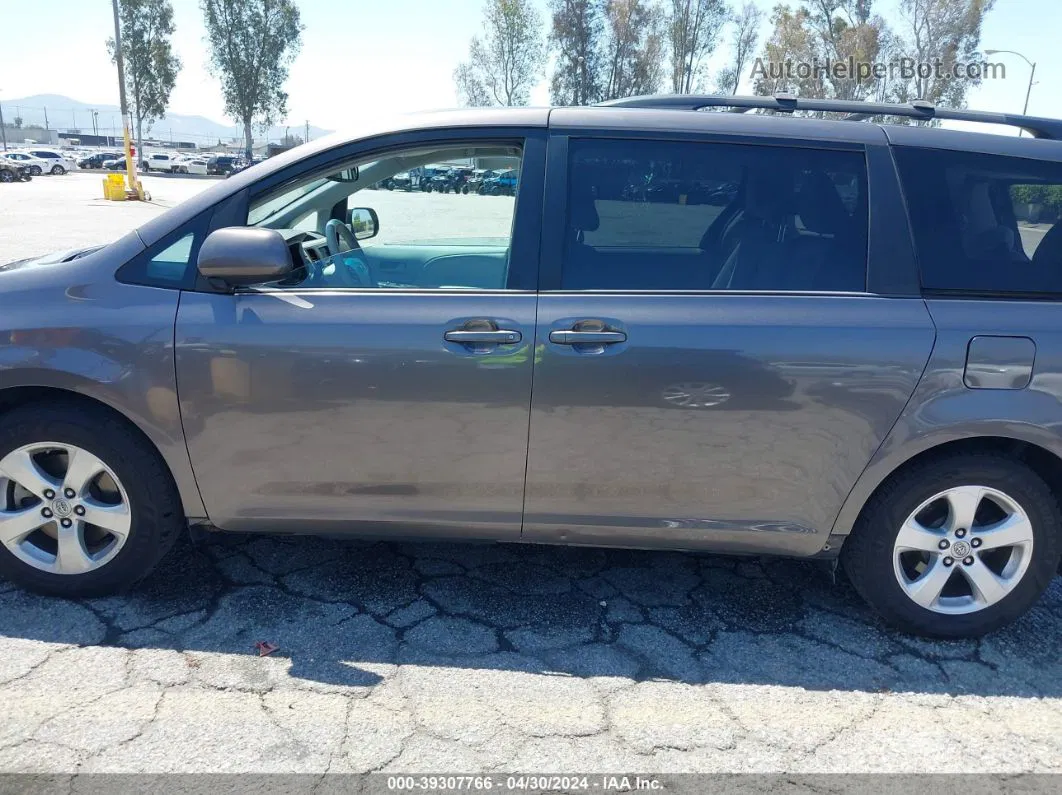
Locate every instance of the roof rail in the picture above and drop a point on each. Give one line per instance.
(857, 110)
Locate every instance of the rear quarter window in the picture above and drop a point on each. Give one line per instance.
(984, 224)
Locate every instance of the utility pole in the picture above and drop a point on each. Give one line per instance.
(46, 119)
(130, 166)
(3, 133)
(307, 138)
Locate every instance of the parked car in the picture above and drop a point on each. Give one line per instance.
(158, 161)
(502, 184)
(190, 165)
(442, 180)
(13, 171)
(58, 162)
(97, 159)
(783, 374)
(401, 181)
(220, 165)
(34, 165)
(474, 184)
(115, 164)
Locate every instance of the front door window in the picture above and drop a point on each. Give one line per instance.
(412, 219)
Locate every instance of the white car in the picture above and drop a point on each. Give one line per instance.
(60, 161)
(190, 165)
(36, 165)
(159, 161)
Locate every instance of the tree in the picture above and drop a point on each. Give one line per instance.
(634, 48)
(503, 66)
(693, 29)
(18, 122)
(470, 89)
(576, 34)
(944, 31)
(743, 44)
(150, 64)
(252, 44)
(808, 44)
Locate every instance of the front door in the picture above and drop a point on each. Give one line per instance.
(387, 386)
(713, 372)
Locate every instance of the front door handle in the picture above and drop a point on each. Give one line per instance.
(496, 336)
(573, 337)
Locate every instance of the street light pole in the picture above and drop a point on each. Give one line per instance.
(3, 133)
(1032, 74)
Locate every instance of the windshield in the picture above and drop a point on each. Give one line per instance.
(261, 213)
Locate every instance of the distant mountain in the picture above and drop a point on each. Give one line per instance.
(64, 113)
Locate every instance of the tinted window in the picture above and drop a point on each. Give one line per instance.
(651, 215)
(431, 233)
(170, 262)
(984, 223)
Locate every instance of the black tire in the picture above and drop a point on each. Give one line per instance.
(7, 176)
(464, 189)
(35, 171)
(867, 555)
(157, 517)
(58, 170)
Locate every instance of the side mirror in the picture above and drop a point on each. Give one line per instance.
(364, 222)
(245, 255)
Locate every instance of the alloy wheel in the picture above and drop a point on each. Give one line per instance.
(62, 509)
(963, 550)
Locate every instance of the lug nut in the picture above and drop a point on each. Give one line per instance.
(70, 493)
(944, 544)
(975, 543)
(948, 561)
(46, 513)
(960, 533)
(79, 510)
(968, 561)
(65, 522)
(49, 494)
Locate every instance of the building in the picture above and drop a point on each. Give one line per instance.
(20, 136)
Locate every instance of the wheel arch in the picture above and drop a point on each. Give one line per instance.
(174, 456)
(1035, 447)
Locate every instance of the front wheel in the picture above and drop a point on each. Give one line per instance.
(87, 507)
(6, 176)
(956, 547)
(35, 171)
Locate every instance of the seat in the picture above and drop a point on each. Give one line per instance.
(765, 221)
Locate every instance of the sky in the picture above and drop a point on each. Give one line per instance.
(386, 56)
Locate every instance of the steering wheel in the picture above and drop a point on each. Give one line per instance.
(350, 267)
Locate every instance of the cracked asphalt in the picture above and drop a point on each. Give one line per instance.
(500, 658)
(492, 658)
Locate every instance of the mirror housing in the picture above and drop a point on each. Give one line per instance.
(364, 222)
(245, 255)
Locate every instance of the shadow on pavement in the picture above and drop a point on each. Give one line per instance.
(343, 612)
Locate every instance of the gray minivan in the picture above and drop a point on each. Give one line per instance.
(737, 332)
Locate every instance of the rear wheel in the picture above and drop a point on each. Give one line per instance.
(956, 547)
(6, 176)
(58, 170)
(86, 506)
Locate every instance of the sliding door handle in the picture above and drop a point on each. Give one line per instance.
(496, 336)
(572, 337)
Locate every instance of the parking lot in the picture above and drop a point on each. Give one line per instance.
(430, 657)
